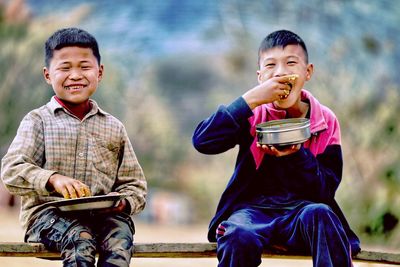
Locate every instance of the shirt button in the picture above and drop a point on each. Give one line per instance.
(80, 154)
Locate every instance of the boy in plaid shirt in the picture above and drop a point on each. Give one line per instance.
(70, 148)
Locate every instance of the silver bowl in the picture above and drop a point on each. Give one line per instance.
(283, 132)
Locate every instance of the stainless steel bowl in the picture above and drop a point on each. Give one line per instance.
(283, 132)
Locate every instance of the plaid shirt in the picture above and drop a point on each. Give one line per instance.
(96, 151)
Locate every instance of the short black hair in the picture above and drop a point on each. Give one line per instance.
(281, 38)
(70, 37)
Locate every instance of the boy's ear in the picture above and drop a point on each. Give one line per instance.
(259, 77)
(310, 71)
(101, 72)
(46, 75)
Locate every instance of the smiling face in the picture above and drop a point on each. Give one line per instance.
(74, 74)
(281, 61)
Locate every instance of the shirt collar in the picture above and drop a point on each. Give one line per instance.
(55, 106)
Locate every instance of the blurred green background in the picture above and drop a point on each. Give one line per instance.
(169, 64)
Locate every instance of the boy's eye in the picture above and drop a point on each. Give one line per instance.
(291, 62)
(270, 65)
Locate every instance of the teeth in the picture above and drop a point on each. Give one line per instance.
(73, 87)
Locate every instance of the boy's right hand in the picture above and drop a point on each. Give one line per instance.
(67, 186)
(273, 89)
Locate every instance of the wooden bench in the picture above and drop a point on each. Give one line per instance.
(178, 250)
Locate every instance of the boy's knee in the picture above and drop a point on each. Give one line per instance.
(117, 243)
(316, 210)
(78, 245)
(240, 235)
(117, 250)
(117, 234)
(85, 235)
(79, 232)
(79, 236)
(318, 214)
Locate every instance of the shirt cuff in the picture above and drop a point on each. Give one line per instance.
(133, 206)
(42, 178)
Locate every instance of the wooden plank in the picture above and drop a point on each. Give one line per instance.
(174, 250)
(20, 249)
(178, 250)
(382, 257)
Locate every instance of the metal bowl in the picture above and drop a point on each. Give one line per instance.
(283, 132)
(87, 203)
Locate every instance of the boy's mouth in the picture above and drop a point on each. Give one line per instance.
(74, 87)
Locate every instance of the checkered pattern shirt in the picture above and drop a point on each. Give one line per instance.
(96, 151)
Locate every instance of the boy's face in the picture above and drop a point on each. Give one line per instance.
(280, 61)
(73, 73)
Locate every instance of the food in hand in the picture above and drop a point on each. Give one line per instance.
(292, 79)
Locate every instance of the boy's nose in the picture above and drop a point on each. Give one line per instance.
(75, 74)
(280, 70)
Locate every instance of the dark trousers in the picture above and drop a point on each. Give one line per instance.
(311, 229)
(79, 237)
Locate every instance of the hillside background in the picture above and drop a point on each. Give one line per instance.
(169, 64)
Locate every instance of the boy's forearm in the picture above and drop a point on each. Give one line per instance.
(24, 178)
(131, 179)
(317, 178)
(221, 131)
(251, 99)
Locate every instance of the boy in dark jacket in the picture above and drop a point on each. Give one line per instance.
(279, 197)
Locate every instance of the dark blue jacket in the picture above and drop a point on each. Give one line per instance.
(316, 176)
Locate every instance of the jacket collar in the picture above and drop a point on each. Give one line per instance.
(268, 112)
(317, 120)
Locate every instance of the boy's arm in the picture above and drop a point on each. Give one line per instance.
(130, 179)
(222, 130)
(20, 167)
(316, 178)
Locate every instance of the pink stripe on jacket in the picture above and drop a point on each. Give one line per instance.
(324, 126)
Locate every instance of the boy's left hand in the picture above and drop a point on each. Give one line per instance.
(273, 151)
(122, 206)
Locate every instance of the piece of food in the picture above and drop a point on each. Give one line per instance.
(292, 79)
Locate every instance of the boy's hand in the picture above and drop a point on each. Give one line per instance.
(68, 187)
(273, 151)
(273, 89)
(122, 206)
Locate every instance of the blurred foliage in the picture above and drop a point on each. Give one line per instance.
(23, 87)
(161, 99)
